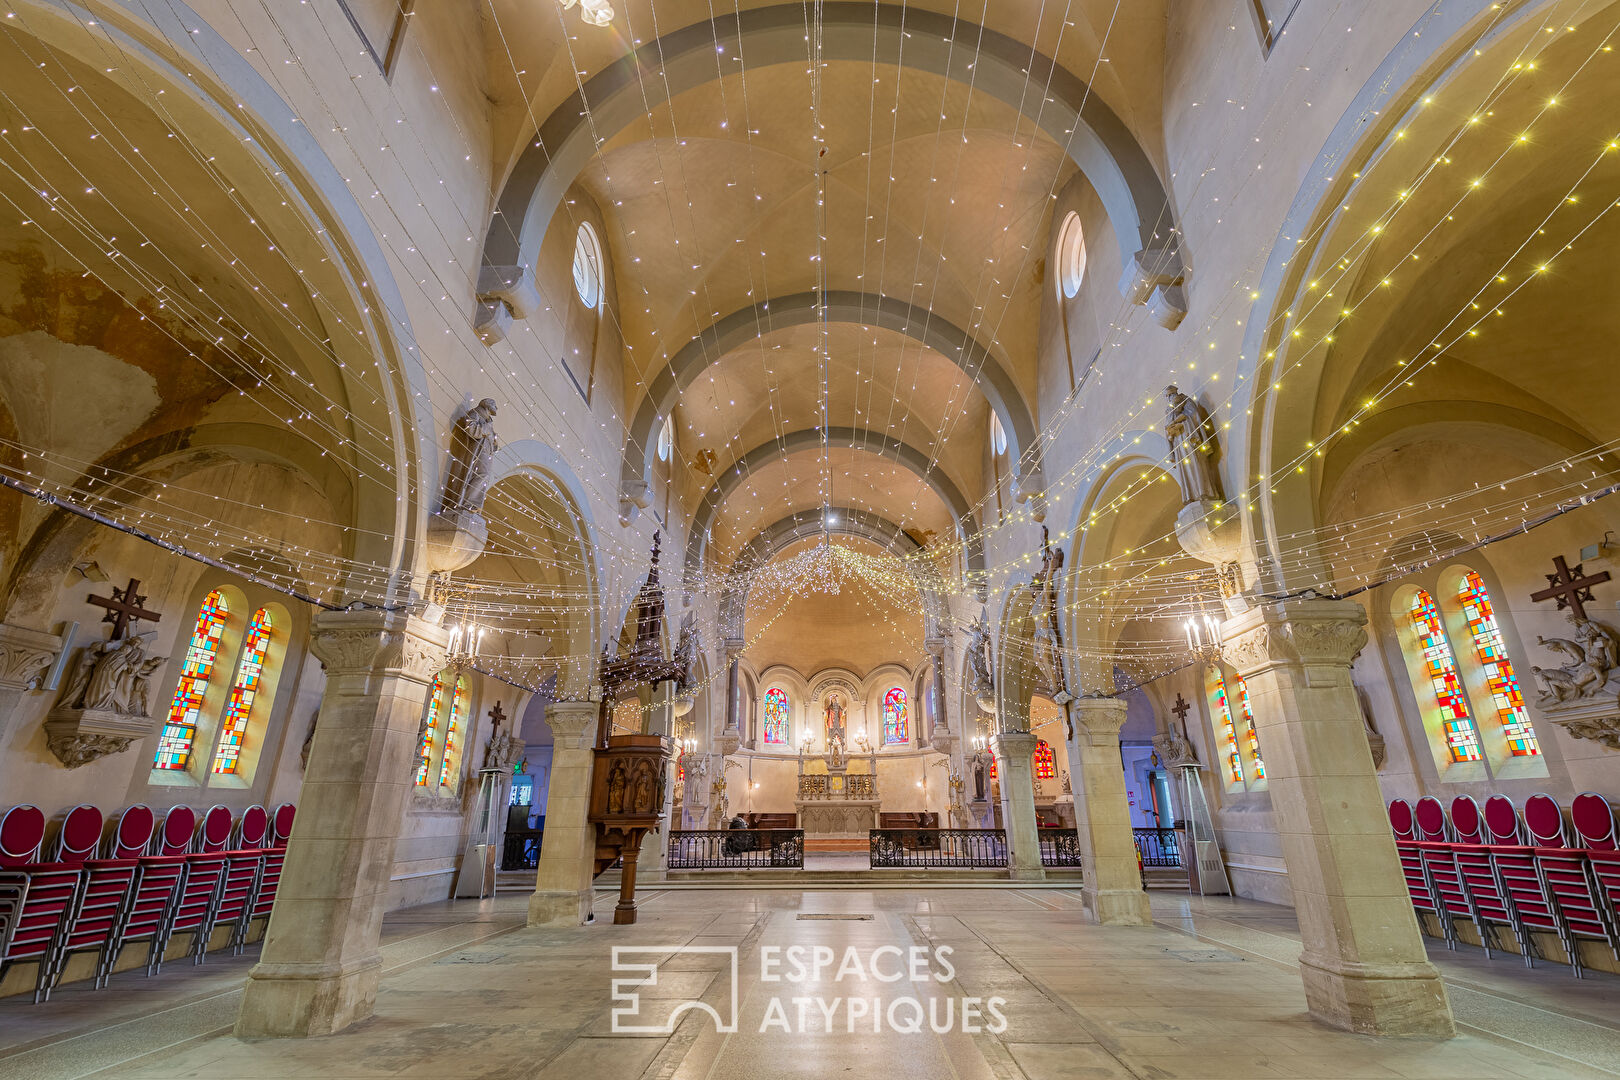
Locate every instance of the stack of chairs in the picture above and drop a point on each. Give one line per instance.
(151, 882)
(1511, 873)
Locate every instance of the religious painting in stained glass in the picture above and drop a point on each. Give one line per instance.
(180, 728)
(249, 672)
(430, 730)
(1226, 733)
(1045, 767)
(1440, 668)
(776, 716)
(1500, 678)
(1248, 727)
(896, 727)
(452, 732)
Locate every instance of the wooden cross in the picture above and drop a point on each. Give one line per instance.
(1571, 589)
(497, 716)
(1180, 709)
(125, 607)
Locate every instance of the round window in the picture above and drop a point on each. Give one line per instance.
(588, 266)
(1071, 256)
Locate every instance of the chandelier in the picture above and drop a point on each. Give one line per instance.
(595, 12)
(1204, 636)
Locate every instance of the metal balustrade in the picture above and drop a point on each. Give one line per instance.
(736, 849)
(1158, 847)
(521, 849)
(933, 848)
(1060, 847)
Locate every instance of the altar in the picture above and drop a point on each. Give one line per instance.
(833, 801)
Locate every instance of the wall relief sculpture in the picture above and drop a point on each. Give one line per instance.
(106, 703)
(1578, 694)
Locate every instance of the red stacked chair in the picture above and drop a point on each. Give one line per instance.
(1583, 909)
(131, 837)
(282, 824)
(103, 896)
(1439, 868)
(241, 876)
(177, 833)
(35, 898)
(1402, 820)
(157, 880)
(1486, 895)
(269, 875)
(1502, 821)
(1594, 821)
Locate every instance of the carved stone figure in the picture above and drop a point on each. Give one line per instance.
(979, 663)
(1192, 444)
(114, 677)
(835, 731)
(978, 776)
(1585, 675)
(309, 740)
(695, 785)
(686, 650)
(1375, 741)
(1047, 641)
(1174, 749)
(472, 453)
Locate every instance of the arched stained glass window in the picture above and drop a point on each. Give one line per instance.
(1045, 768)
(452, 734)
(896, 728)
(1500, 678)
(776, 716)
(1248, 726)
(430, 731)
(1225, 731)
(249, 673)
(1440, 668)
(180, 729)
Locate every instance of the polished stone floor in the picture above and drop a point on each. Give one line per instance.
(1211, 991)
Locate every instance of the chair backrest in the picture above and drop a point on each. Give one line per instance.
(1431, 819)
(1467, 823)
(283, 824)
(22, 831)
(216, 829)
(1501, 820)
(79, 835)
(252, 828)
(1544, 821)
(132, 836)
(1400, 819)
(179, 827)
(1593, 818)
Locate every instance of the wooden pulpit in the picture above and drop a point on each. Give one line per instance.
(628, 784)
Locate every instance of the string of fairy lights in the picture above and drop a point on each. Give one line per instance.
(547, 586)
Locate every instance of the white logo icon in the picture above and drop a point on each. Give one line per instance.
(625, 1016)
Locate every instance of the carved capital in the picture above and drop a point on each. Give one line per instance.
(1315, 633)
(349, 651)
(572, 723)
(364, 642)
(1012, 747)
(25, 656)
(1098, 719)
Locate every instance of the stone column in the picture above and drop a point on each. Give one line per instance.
(1363, 960)
(1015, 768)
(939, 736)
(654, 860)
(1112, 890)
(562, 886)
(319, 968)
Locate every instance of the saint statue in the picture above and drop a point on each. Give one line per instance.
(617, 781)
(978, 653)
(114, 676)
(1192, 446)
(1593, 651)
(835, 731)
(472, 455)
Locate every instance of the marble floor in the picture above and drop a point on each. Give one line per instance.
(1211, 990)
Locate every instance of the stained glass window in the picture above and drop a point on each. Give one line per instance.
(776, 715)
(249, 672)
(895, 728)
(430, 731)
(180, 729)
(452, 756)
(1045, 768)
(1225, 731)
(1462, 739)
(1500, 678)
(1248, 727)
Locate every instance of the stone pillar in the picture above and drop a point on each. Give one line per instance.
(319, 968)
(1112, 890)
(1015, 768)
(562, 886)
(1363, 960)
(654, 861)
(939, 735)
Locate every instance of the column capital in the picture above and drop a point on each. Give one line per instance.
(351, 643)
(25, 656)
(1307, 632)
(572, 723)
(1098, 718)
(1013, 745)
(935, 647)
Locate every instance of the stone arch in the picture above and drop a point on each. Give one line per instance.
(839, 306)
(1092, 135)
(808, 439)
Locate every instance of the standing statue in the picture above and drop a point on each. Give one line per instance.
(978, 653)
(686, 650)
(618, 780)
(1192, 446)
(835, 731)
(472, 455)
(1047, 642)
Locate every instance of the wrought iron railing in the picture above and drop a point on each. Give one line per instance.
(1159, 847)
(521, 851)
(938, 847)
(736, 849)
(1060, 847)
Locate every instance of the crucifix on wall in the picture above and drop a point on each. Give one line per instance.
(125, 607)
(1572, 589)
(1180, 709)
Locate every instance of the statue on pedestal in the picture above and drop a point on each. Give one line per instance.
(472, 453)
(835, 732)
(1192, 444)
